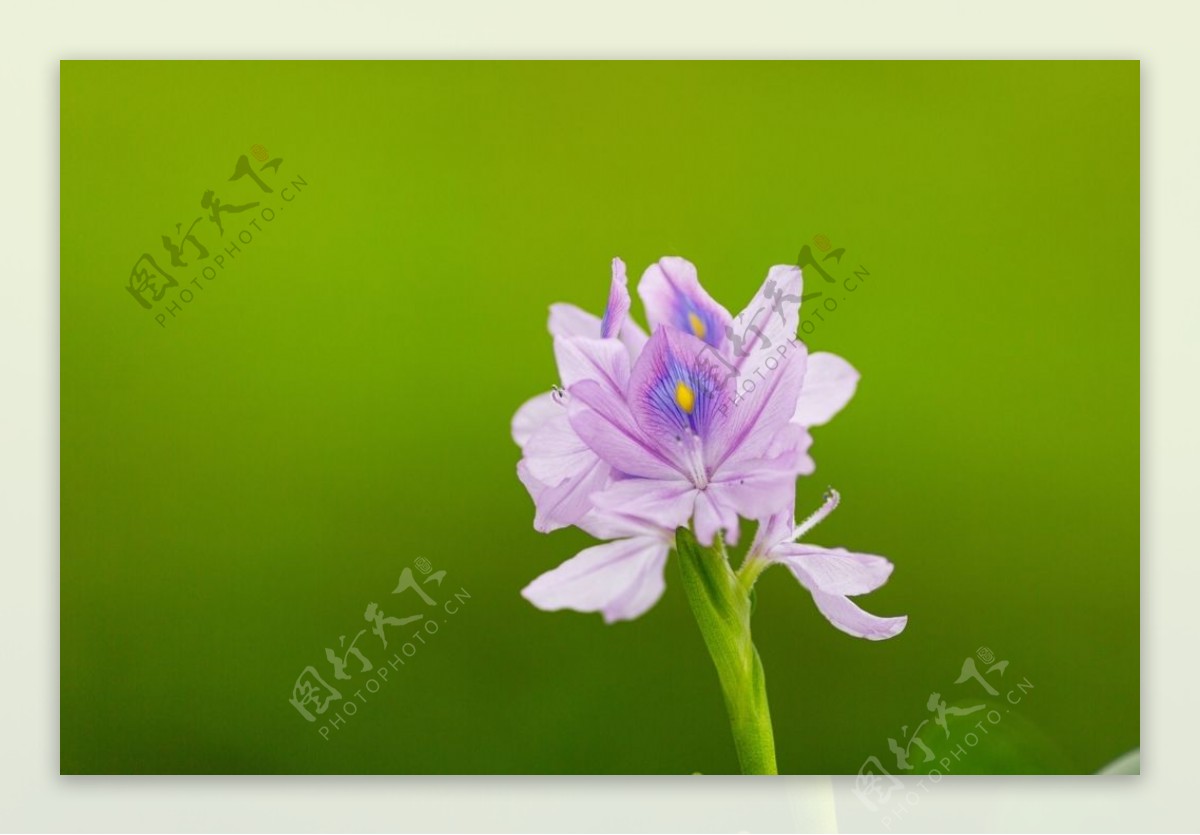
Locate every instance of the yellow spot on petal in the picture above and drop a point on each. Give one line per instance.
(697, 326)
(685, 397)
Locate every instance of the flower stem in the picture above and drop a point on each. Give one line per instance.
(748, 573)
(721, 605)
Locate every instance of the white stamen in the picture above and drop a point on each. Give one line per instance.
(831, 502)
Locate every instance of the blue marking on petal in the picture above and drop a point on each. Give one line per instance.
(705, 390)
(698, 321)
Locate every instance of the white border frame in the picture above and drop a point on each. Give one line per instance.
(1161, 34)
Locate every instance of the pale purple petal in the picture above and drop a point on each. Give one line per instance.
(846, 616)
(603, 523)
(668, 503)
(830, 574)
(834, 570)
(568, 321)
(532, 414)
(554, 453)
(763, 406)
(620, 579)
(714, 512)
(764, 489)
(537, 492)
(793, 438)
(672, 295)
(603, 421)
(604, 360)
(633, 338)
(771, 318)
(618, 302)
(564, 504)
(758, 488)
(829, 383)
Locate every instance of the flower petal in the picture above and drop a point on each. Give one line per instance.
(674, 394)
(620, 579)
(567, 321)
(672, 295)
(618, 302)
(834, 570)
(714, 512)
(752, 418)
(604, 523)
(829, 383)
(603, 421)
(793, 438)
(604, 360)
(555, 453)
(771, 317)
(633, 338)
(758, 488)
(566, 503)
(532, 414)
(668, 503)
(617, 321)
(846, 616)
(830, 574)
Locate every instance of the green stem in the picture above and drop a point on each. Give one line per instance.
(721, 604)
(747, 575)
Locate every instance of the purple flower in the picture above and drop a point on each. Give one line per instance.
(831, 575)
(669, 442)
(703, 423)
(695, 434)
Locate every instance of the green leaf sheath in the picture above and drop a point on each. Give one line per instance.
(722, 607)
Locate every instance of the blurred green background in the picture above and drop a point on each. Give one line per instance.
(238, 485)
